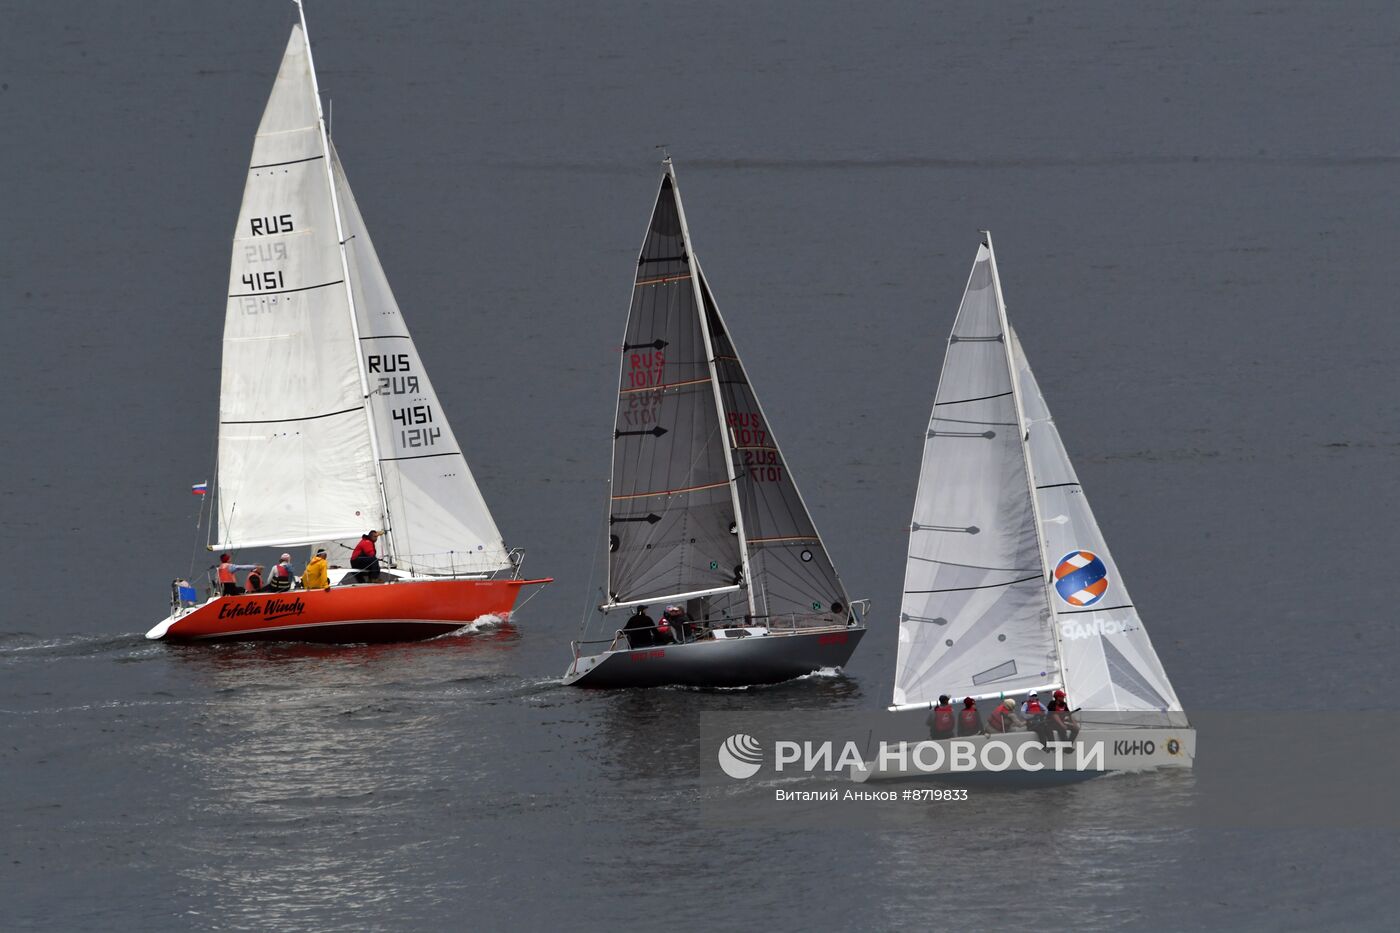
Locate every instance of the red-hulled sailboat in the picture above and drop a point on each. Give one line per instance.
(328, 425)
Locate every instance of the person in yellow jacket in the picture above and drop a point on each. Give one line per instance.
(315, 576)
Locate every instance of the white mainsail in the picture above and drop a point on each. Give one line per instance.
(317, 442)
(295, 455)
(974, 619)
(990, 605)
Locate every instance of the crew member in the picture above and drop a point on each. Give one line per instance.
(280, 580)
(254, 581)
(1035, 718)
(227, 581)
(940, 720)
(969, 719)
(678, 621)
(640, 629)
(316, 576)
(1061, 718)
(366, 559)
(1004, 718)
(665, 634)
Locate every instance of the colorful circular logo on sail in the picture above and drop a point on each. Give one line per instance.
(1081, 578)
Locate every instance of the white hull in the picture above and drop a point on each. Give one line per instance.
(1019, 753)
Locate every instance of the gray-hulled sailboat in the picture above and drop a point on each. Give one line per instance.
(1009, 586)
(706, 528)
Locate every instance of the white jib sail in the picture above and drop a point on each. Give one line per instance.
(1108, 660)
(295, 455)
(975, 618)
(439, 521)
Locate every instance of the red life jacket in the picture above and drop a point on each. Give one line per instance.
(225, 574)
(1059, 706)
(969, 722)
(998, 719)
(1033, 707)
(943, 719)
(364, 549)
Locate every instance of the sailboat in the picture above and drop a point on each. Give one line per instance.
(704, 517)
(328, 423)
(1009, 585)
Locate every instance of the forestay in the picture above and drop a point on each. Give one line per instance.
(794, 581)
(439, 522)
(975, 618)
(672, 526)
(1109, 662)
(295, 461)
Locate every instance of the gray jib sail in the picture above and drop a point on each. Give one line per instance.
(671, 517)
(975, 619)
(794, 582)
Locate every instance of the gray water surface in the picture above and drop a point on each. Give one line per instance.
(1195, 211)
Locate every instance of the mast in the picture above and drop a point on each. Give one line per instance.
(349, 291)
(714, 390)
(1022, 431)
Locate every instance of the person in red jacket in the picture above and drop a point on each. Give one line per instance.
(365, 559)
(969, 719)
(1004, 718)
(940, 720)
(1061, 718)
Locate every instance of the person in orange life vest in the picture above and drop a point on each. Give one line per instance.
(1034, 714)
(365, 559)
(1061, 718)
(253, 583)
(227, 581)
(1004, 718)
(280, 580)
(969, 719)
(940, 720)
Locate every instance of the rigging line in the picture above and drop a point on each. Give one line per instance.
(288, 291)
(964, 401)
(989, 586)
(1056, 485)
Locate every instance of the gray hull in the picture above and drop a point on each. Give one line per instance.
(723, 662)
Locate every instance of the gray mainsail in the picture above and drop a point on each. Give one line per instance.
(672, 527)
(793, 579)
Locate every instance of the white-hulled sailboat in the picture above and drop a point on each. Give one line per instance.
(704, 515)
(328, 424)
(1009, 586)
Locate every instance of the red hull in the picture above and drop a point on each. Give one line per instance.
(407, 611)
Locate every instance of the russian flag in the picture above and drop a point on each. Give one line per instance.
(200, 489)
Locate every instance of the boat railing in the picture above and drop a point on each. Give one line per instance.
(454, 564)
(692, 630)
